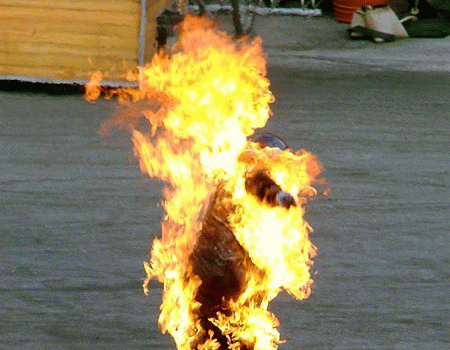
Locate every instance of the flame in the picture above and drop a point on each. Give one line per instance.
(206, 95)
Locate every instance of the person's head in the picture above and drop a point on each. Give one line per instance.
(269, 140)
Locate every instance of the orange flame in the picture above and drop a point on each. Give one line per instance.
(206, 95)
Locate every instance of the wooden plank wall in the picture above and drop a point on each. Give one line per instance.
(57, 39)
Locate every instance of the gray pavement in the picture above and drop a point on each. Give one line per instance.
(322, 43)
(77, 217)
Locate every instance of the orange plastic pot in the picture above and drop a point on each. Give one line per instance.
(343, 9)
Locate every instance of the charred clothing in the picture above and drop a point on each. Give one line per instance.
(220, 261)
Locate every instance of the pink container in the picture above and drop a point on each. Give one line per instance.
(343, 9)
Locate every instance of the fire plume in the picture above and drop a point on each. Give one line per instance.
(225, 252)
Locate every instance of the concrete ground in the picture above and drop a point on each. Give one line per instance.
(322, 43)
(77, 217)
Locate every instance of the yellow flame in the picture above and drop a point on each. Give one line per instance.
(208, 93)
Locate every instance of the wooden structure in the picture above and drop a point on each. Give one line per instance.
(62, 41)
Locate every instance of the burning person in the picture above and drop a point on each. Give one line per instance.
(218, 259)
(233, 233)
(251, 243)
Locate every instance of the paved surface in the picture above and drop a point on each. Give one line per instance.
(322, 43)
(77, 217)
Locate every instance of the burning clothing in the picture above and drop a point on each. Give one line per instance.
(221, 262)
